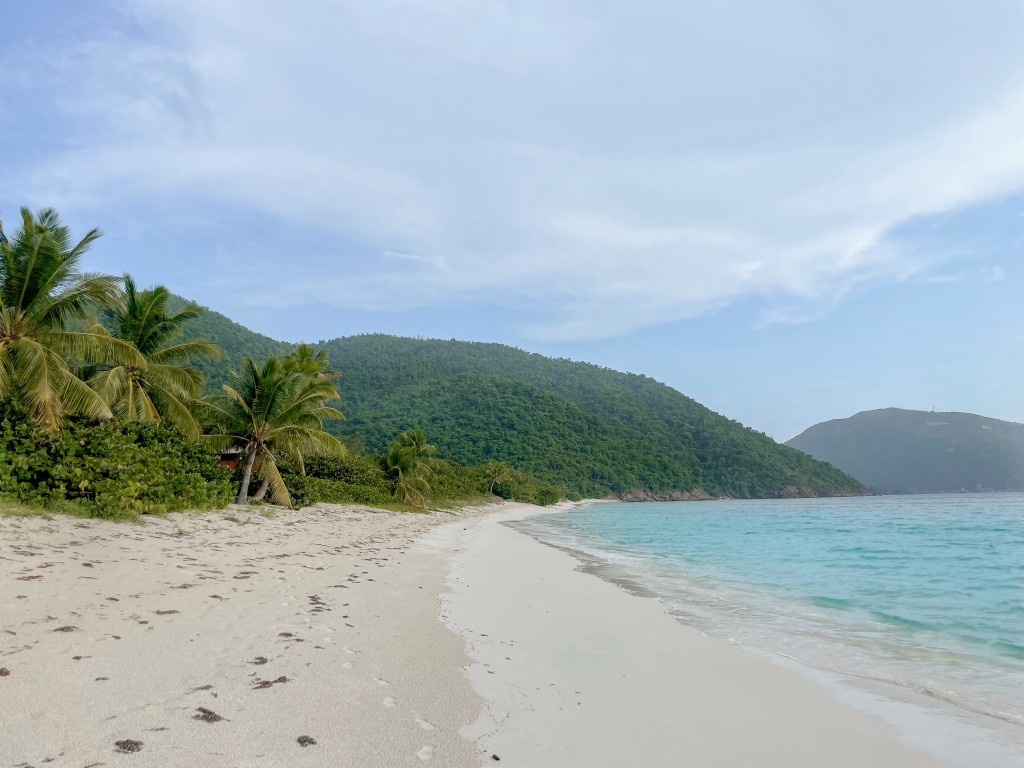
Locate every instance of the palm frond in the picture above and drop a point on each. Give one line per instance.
(220, 442)
(177, 410)
(5, 370)
(278, 490)
(186, 381)
(76, 301)
(37, 382)
(94, 347)
(186, 351)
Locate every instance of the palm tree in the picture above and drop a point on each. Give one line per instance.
(164, 388)
(496, 473)
(43, 297)
(410, 463)
(269, 412)
(306, 359)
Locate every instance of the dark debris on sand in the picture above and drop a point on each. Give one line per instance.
(207, 715)
(65, 629)
(128, 745)
(261, 684)
(306, 741)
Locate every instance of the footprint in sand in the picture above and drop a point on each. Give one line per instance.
(347, 665)
(424, 724)
(426, 753)
(390, 702)
(381, 681)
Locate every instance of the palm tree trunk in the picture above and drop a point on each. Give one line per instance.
(262, 490)
(243, 489)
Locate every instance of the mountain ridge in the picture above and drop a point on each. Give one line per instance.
(591, 430)
(895, 450)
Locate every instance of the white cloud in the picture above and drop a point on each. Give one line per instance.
(619, 168)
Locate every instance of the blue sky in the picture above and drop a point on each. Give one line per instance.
(789, 211)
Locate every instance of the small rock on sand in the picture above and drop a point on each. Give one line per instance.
(128, 745)
(306, 741)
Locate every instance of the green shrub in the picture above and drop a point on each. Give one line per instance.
(355, 470)
(529, 490)
(307, 491)
(109, 469)
(454, 482)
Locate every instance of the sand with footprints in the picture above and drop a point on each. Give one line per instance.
(307, 638)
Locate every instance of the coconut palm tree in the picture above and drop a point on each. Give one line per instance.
(166, 387)
(268, 413)
(410, 464)
(496, 473)
(305, 358)
(43, 298)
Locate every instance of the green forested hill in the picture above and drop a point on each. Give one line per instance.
(592, 430)
(900, 451)
(235, 341)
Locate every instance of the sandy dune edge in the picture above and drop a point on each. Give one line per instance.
(319, 623)
(575, 671)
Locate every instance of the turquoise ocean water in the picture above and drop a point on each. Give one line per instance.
(925, 592)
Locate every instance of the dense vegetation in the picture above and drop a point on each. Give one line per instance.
(363, 480)
(109, 469)
(587, 430)
(524, 426)
(900, 451)
(102, 411)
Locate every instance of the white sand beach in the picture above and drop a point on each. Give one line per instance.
(317, 623)
(324, 623)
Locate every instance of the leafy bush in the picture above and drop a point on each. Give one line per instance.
(109, 469)
(361, 480)
(529, 490)
(356, 470)
(454, 482)
(306, 491)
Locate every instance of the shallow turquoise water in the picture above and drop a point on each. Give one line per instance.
(922, 591)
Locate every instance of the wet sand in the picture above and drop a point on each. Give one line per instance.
(575, 670)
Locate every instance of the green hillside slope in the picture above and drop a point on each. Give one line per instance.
(235, 342)
(900, 451)
(592, 430)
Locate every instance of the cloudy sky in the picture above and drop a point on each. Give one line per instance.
(790, 211)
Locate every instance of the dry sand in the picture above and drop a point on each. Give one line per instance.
(323, 623)
(317, 623)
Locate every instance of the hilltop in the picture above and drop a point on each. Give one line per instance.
(590, 430)
(900, 451)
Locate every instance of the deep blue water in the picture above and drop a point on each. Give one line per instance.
(922, 591)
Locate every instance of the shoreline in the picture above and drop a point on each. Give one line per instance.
(574, 665)
(391, 639)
